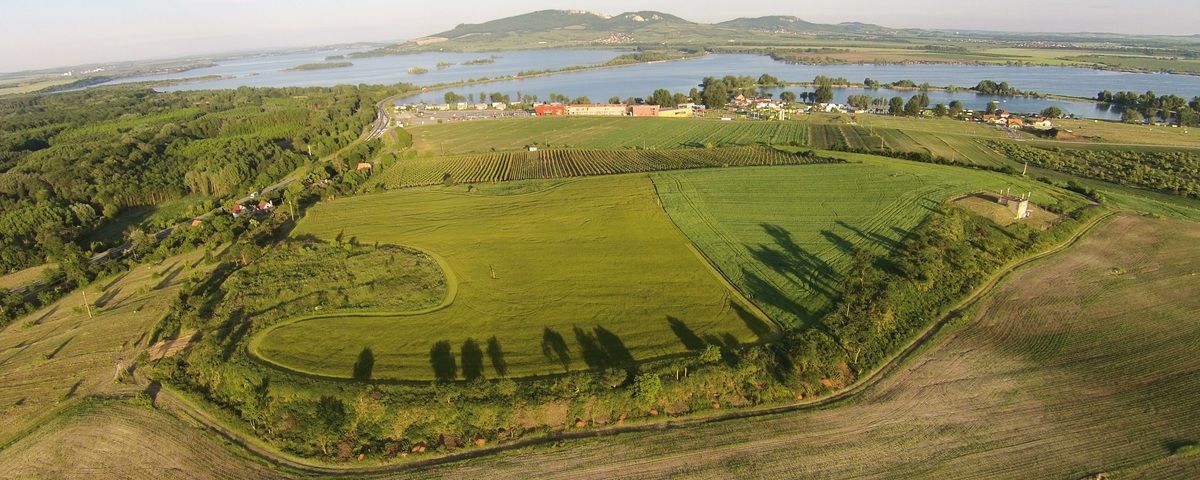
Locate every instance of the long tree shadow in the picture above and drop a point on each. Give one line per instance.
(802, 268)
(74, 389)
(496, 354)
(51, 354)
(883, 241)
(616, 351)
(442, 361)
(838, 241)
(472, 359)
(232, 331)
(172, 272)
(107, 297)
(554, 347)
(364, 366)
(686, 335)
(46, 315)
(760, 289)
(761, 329)
(589, 348)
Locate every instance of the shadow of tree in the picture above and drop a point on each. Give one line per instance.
(601, 348)
(802, 268)
(496, 354)
(839, 241)
(172, 272)
(686, 335)
(107, 297)
(51, 354)
(880, 240)
(74, 389)
(442, 361)
(760, 328)
(554, 347)
(472, 359)
(364, 365)
(616, 351)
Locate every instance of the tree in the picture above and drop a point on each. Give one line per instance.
(1132, 116)
(647, 387)
(451, 97)
(581, 100)
(1188, 117)
(716, 96)
(614, 99)
(694, 95)
(992, 107)
(913, 106)
(956, 108)
(871, 83)
(940, 110)
(662, 97)
(896, 106)
(1052, 112)
(768, 80)
(787, 97)
(824, 92)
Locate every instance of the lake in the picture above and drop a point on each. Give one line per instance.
(681, 76)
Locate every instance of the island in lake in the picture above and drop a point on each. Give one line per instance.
(318, 66)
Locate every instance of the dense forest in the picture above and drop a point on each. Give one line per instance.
(76, 167)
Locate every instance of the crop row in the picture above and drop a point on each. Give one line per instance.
(497, 167)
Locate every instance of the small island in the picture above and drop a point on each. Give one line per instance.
(418, 70)
(318, 66)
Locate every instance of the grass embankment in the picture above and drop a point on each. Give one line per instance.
(552, 277)
(785, 236)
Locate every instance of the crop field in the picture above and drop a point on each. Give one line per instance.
(784, 234)
(522, 165)
(547, 276)
(58, 354)
(960, 148)
(602, 133)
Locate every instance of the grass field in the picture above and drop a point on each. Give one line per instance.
(603, 133)
(58, 355)
(550, 276)
(25, 277)
(784, 234)
(1026, 387)
(522, 165)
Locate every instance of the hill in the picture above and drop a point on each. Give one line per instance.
(790, 24)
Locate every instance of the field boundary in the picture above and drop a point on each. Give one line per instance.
(865, 382)
(252, 347)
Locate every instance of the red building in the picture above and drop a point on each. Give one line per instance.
(644, 110)
(550, 110)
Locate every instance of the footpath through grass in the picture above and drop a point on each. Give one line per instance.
(551, 277)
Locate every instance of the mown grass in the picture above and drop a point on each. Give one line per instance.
(786, 235)
(60, 354)
(570, 275)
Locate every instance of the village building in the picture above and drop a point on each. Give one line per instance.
(675, 113)
(362, 166)
(596, 110)
(644, 110)
(546, 110)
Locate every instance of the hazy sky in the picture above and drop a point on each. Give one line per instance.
(48, 33)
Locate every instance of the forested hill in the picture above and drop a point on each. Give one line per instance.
(77, 168)
(789, 24)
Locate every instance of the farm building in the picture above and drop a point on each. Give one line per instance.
(549, 110)
(362, 166)
(644, 110)
(597, 110)
(675, 112)
(1016, 122)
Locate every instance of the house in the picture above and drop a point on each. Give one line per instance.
(196, 222)
(1042, 124)
(1016, 122)
(362, 166)
(675, 112)
(461, 106)
(597, 110)
(546, 110)
(440, 107)
(739, 101)
(238, 210)
(499, 106)
(644, 110)
(264, 206)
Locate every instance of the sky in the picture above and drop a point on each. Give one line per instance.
(38, 34)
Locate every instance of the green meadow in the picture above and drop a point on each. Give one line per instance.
(545, 277)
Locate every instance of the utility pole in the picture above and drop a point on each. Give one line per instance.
(86, 305)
